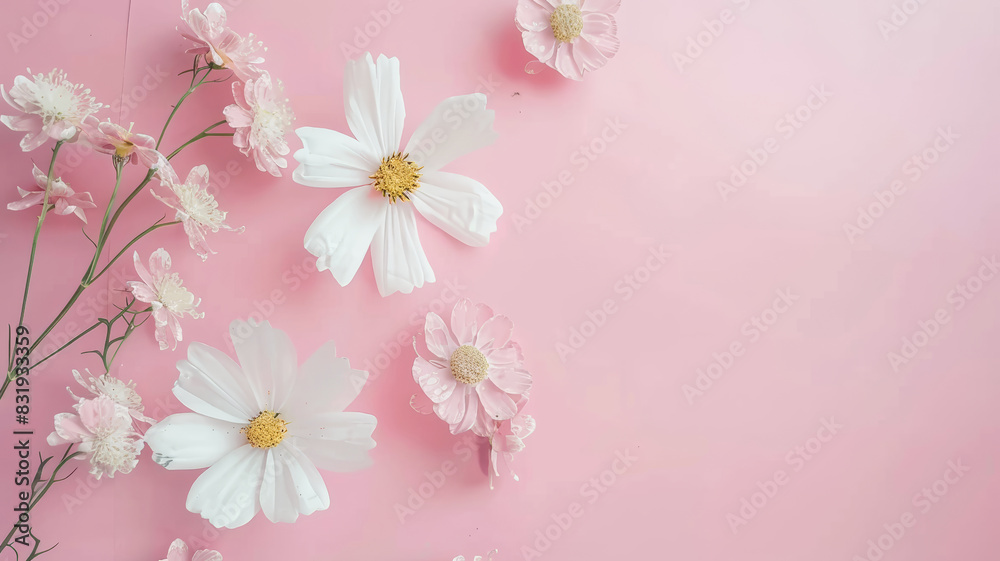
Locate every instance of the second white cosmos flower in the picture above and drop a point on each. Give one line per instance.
(392, 183)
(262, 427)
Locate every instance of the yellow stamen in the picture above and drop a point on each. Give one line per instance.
(396, 177)
(567, 22)
(265, 430)
(469, 365)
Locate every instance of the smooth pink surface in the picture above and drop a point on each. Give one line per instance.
(623, 390)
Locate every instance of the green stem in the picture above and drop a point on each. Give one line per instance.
(189, 91)
(37, 496)
(199, 136)
(38, 230)
(135, 239)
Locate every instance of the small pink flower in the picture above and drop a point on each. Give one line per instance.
(572, 36)
(111, 138)
(103, 429)
(53, 107)
(196, 208)
(261, 118)
(179, 552)
(165, 293)
(221, 46)
(472, 374)
(61, 197)
(508, 439)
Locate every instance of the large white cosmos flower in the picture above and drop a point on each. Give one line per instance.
(392, 183)
(262, 427)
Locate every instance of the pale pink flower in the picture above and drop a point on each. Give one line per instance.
(111, 138)
(179, 552)
(196, 208)
(103, 429)
(221, 46)
(122, 393)
(165, 293)
(472, 374)
(53, 107)
(63, 199)
(508, 439)
(261, 117)
(572, 36)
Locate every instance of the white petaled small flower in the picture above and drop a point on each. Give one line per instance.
(262, 118)
(196, 208)
(103, 430)
(488, 557)
(262, 427)
(53, 107)
(165, 293)
(508, 439)
(393, 182)
(122, 393)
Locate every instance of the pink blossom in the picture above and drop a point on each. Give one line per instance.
(53, 107)
(261, 118)
(179, 552)
(165, 293)
(103, 429)
(472, 374)
(111, 138)
(571, 36)
(196, 209)
(221, 46)
(63, 199)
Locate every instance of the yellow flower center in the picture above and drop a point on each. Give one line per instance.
(396, 177)
(567, 22)
(469, 365)
(265, 430)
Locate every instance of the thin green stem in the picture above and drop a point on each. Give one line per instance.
(199, 136)
(132, 242)
(189, 91)
(38, 230)
(37, 495)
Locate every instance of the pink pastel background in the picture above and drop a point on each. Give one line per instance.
(653, 186)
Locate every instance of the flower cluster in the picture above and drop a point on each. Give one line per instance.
(473, 378)
(104, 426)
(165, 293)
(261, 116)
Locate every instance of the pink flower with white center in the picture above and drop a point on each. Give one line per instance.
(196, 208)
(261, 117)
(111, 138)
(508, 439)
(472, 374)
(53, 107)
(572, 36)
(221, 46)
(122, 393)
(165, 293)
(62, 198)
(103, 429)
(179, 552)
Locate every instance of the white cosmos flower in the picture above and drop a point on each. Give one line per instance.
(262, 427)
(391, 182)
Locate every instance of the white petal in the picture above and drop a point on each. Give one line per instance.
(457, 126)
(335, 441)
(325, 383)
(341, 234)
(192, 441)
(332, 159)
(373, 102)
(267, 357)
(213, 384)
(397, 257)
(461, 206)
(291, 485)
(228, 493)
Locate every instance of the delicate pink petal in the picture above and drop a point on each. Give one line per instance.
(494, 333)
(497, 404)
